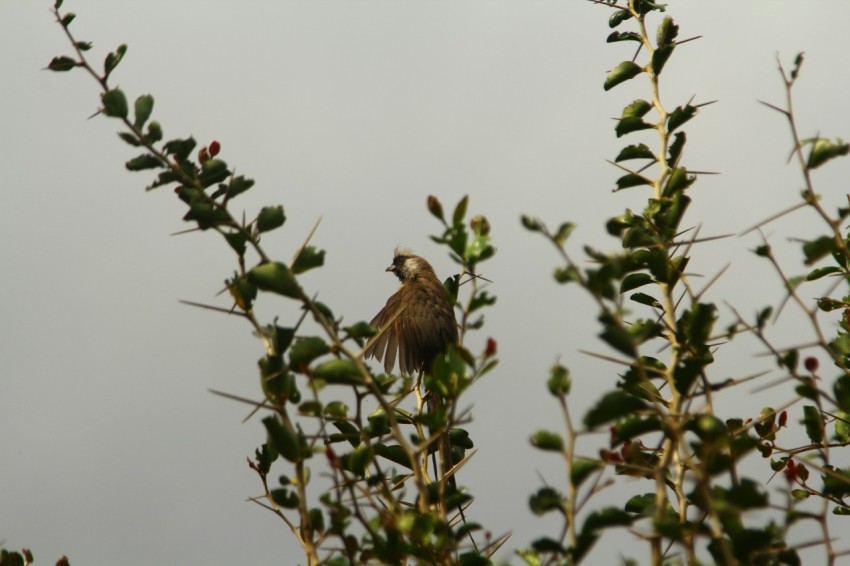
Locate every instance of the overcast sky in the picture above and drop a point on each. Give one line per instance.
(112, 450)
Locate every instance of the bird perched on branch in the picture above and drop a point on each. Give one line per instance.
(418, 322)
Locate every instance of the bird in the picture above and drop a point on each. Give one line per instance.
(418, 322)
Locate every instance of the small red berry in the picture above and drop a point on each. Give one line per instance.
(790, 471)
(783, 418)
(811, 364)
(215, 147)
(491, 348)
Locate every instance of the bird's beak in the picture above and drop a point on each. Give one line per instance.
(390, 268)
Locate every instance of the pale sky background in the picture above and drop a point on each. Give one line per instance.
(111, 449)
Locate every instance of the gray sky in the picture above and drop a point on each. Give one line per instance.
(111, 449)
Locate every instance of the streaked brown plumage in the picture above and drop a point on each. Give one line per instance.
(424, 323)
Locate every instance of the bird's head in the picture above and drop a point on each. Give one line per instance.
(408, 267)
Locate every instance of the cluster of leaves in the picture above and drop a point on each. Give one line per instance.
(661, 414)
(23, 558)
(385, 498)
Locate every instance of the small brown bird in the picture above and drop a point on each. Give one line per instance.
(417, 322)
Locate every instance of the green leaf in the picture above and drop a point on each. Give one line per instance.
(144, 161)
(630, 124)
(67, 19)
(349, 433)
(637, 109)
(675, 151)
(566, 274)
(394, 453)
(660, 56)
(667, 32)
(542, 545)
(814, 250)
(238, 184)
(635, 280)
(305, 350)
(621, 73)
(623, 36)
(283, 438)
(826, 304)
(164, 178)
(310, 408)
(281, 337)
(619, 16)
(361, 329)
(276, 380)
(563, 232)
(356, 462)
(641, 504)
(798, 61)
(112, 59)
(460, 438)
(631, 180)
(559, 382)
(62, 63)
(205, 213)
(678, 181)
(546, 499)
(213, 171)
(679, 116)
(709, 428)
(286, 498)
(841, 388)
(640, 151)
(479, 301)
(11, 558)
(645, 299)
(581, 468)
(237, 241)
(114, 103)
(143, 109)
(270, 217)
(130, 138)
(339, 372)
(154, 132)
(823, 150)
(317, 520)
(619, 338)
(460, 211)
(178, 148)
(813, 421)
(547, 440)
(608, 517)
(836, 482)
(612, 406)
(842, 426)
(633, 426)
(308, 258)
(277, 278)
(698, 323)
(530, 224)
(822, 272)
(336, 410)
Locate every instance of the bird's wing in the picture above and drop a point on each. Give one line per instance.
(386, 344)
